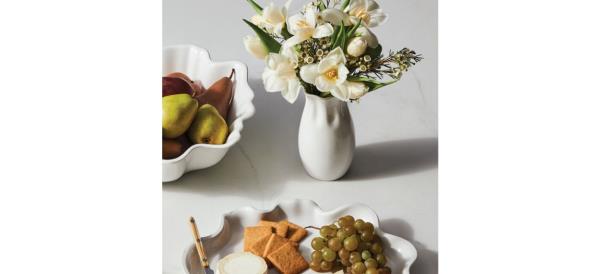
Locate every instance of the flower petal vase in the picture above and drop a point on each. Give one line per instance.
(326, 137)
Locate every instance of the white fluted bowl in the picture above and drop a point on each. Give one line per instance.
(196, 63)
(400, 253)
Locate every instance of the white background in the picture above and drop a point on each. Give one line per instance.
(518, 137)
(395, 165)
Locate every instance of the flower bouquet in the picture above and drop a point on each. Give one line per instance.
(329, 51)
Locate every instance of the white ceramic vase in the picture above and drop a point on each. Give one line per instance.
(326, 137)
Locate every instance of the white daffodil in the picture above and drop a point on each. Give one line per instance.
(304, 26)
(280, 75)
(329, 75)
(367, 11)
(255, 47)
(335, 16)
(272, 18)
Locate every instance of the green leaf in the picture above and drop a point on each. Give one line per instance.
(285, 33)
(255, 6)
(336, 36)
(270, 43)
(353, 30)
(345, 4)
(321, 5)
(371, 83)
(343, 39)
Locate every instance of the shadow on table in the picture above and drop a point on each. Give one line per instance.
(427, 260)
(264, 159)
(391, 158)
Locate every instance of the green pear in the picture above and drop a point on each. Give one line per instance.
(209, 127)
(179, 111)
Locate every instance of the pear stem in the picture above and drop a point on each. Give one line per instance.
(232, 73)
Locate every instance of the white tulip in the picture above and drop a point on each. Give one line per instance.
(329, 75)
(255, 47)
(356, 89)
(357, 46)
(367, 11)
(304, 26)
(272, 18)
(280, 75)
(369, 36)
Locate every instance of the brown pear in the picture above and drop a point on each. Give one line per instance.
(219, 95)
(173, 148)
(177, 83)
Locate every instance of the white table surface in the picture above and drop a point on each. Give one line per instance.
(395, 164)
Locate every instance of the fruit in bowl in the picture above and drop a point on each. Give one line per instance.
(189, 67)
(189, 109)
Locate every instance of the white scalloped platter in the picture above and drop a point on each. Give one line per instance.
(400, 253)
(195, 62)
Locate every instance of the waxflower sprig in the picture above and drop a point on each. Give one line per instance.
(326, 49)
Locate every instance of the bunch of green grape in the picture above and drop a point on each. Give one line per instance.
(351, 245)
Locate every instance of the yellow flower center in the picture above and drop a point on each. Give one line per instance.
(301, 24)
(363, 15)
(331, 74)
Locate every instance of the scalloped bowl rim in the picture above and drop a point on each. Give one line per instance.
(342, 208)
(246, 115)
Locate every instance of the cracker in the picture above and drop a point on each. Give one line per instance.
(253, 234)
(258, 248)
(267, 223)
(296, 233)
(288, 260)
(282, 228)
(275, 242)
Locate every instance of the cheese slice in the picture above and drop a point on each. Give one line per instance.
(242, 263)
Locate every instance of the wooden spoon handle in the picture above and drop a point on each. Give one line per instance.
(199, 246)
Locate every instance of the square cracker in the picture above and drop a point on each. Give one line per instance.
(253, 234)
(281, 228)
(296, 233)
(275, 242)
(267, 223)
(288, 260)
(258, 248)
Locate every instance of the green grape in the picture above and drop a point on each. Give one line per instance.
(345, 262)
(367, 236)
(344, 254)
(365, 254)
(326, 266)
(377, 248)
(351, 243)
(359, 224)
(355, 257)
(328, 254)
(316, 256)
(381, 260)
(358, 268)
(318, 243)
(335, 244)
(325, 231)
(371, 263)
(341, 234)
(316, 266)
(368, 227)
(371, 271)
(346, 221)
(376, 238)
(349, 230)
